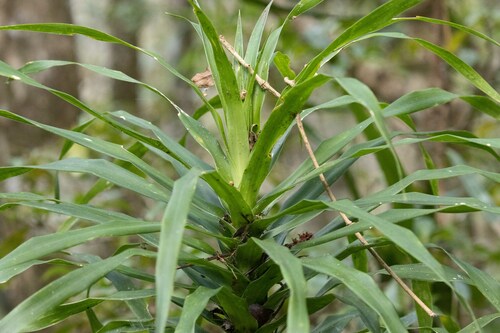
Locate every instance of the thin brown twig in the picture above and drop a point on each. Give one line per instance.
(266, 86)
(262, 83)
(358, 235)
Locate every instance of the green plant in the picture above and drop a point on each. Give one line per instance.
(237, 246)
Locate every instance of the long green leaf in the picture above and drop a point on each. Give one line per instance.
(291, 269)
(174, 149)
(41, 65)
(172, 229)
(105, 147)
(100, 168)
(193, 306)
(362, 285)
(302, 7)
(403, 237)
(458, 137)
(463, 68)
(239, 210)
(366, 314)
(487, 285)
(336, 323)
(409, 103)
(239, 46)
(282, 116)
(81, 211)
(225, 81)
(458, 64)
(455, 171)
(267, 54)
(365, 97)
(262, 70)
(326, 234)
(451, 24)
(376, 20)
(255, 37)
(61, 289)
(420, 272)
(8, 71)
(124, 283)
(418, 100)
(208, 142)
(37, 247)
(71, 29)
(62, 312)
(480, 322)
(139, 307)
(483, 104)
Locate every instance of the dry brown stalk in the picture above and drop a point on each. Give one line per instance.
(262, 83)
(266, 86)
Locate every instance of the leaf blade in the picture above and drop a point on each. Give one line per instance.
(362, 285)
(193, 306)
(59, 290)
(291, 269)
(172, 228)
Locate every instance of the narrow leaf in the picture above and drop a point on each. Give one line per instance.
(172, 229)
(463, 68)
(194, 304)
(374, 21)
(59, 290)
(225, 81)
(282, 62)
(71, 29)
(256, 36)
(40, 246)
(291, 269)
(208, 142)
(451, 24)
(100, 168)
(362, 285)
(99, 145)
(483, 104)
(282, 116)
(365, 97)
(480, 322)
(487, 285)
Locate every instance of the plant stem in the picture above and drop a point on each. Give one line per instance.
(266, 86)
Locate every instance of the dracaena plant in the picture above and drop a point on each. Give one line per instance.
(226, 252)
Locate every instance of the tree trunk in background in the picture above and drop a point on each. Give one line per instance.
(20, 47)
(456, 116)
(125, 18)
(16, 49)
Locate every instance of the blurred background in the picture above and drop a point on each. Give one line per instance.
(390, 67)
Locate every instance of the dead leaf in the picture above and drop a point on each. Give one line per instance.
(203, 79)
